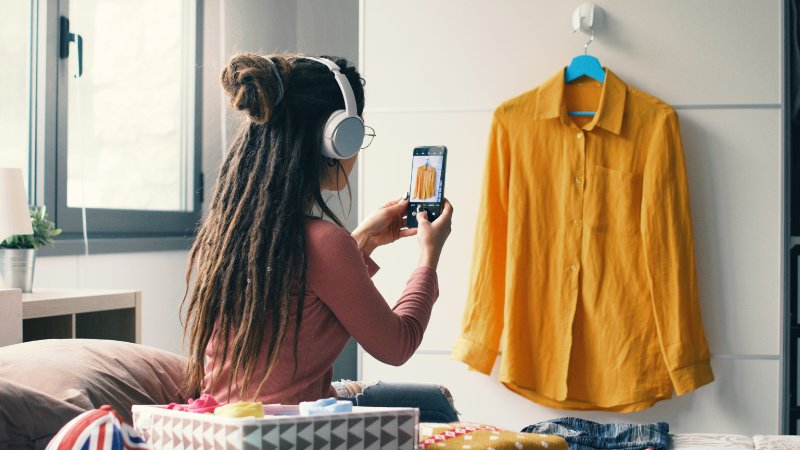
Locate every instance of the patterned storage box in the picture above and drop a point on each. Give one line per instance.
(363, 429)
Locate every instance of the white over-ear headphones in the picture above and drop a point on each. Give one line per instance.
(343, 132)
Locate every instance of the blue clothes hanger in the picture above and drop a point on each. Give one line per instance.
(584, 65)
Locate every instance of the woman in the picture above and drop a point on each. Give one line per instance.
(277, 290)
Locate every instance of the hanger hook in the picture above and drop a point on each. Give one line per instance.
(591, 38)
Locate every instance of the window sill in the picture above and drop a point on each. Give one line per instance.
(73, 246)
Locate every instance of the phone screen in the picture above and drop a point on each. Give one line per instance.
(427, 182)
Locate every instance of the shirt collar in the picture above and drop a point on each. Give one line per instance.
(550, 102)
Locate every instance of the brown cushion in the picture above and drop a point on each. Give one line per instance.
(30, 418)
(89, 373)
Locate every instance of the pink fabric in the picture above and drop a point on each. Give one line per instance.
(341, 301)
(204, 404)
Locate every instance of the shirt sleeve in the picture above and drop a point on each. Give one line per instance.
(482, 324)
(666, 228)
(340, 275)
(372, 266)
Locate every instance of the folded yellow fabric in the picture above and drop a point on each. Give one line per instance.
(461, 435)
(241, 409)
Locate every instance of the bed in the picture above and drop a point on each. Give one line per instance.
(44, 384)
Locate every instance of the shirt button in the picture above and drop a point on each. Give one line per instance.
(573, 268)
(576, 222)
(580, 135)
(578, 180)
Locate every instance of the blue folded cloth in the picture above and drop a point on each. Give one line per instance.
(583, 434)
(325, 406)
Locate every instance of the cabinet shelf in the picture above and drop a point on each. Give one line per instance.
(76, 313)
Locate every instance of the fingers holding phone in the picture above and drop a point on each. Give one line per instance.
(433, 235)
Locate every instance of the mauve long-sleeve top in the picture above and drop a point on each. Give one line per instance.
(341, 301)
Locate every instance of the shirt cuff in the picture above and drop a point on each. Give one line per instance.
(689, 378)
(372, 266)
(474, 354)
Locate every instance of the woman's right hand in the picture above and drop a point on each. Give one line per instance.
(432, 236)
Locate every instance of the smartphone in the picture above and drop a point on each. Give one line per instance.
(428, 165)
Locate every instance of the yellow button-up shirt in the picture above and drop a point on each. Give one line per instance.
(584, 259)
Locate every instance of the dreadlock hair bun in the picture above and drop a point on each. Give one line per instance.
(254, 84)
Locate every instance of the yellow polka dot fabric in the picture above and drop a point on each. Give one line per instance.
(460, 435)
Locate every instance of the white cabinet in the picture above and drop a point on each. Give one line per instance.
(10, 316)
(73, 313)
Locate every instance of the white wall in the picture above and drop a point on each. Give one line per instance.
(158, 275)
(435, 72)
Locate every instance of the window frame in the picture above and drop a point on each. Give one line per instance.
(109, 230)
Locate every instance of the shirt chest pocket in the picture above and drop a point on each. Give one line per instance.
(613, 200)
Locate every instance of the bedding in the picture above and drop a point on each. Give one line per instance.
(44, 384)
(733, 442)
(710, 441)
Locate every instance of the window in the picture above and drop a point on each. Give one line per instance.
(121, 142)
(16, 44)
(129, 141)
(127, 121)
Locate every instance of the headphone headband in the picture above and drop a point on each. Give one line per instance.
(343, 132)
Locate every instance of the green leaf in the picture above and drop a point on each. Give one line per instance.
(43, 232)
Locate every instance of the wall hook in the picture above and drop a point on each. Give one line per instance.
(587, 17)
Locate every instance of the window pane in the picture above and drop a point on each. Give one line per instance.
(15, 92)
(130, 115)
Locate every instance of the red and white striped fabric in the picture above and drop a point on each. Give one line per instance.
(98, 429)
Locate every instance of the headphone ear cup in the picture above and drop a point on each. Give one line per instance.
(342, 135)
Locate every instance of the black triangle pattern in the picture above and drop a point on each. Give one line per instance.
(386, 438)
(369, 439)
(247, 430)
(369, 421)
(402, 437)
(337, 442)
(320, 441)
(402, 420)
(301, 426)
(388, 430)
(353, 440)
(302, 444)
(288, 435)
(268, 446)
(356, 424)
(336, 423)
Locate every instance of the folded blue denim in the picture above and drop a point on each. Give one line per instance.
(432, 400)
(583, 434)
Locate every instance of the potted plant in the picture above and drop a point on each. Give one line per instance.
(18, 253)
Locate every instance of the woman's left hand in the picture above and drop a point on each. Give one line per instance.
(384, 226)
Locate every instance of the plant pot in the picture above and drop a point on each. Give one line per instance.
(16, 268)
